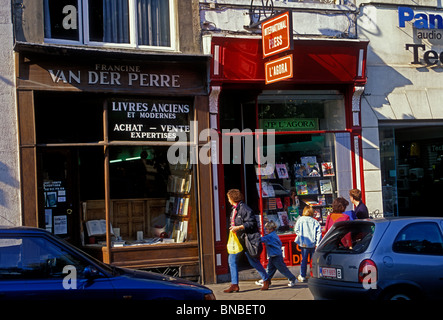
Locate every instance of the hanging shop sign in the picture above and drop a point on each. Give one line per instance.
(277, 34)
(279, 69)
(426, 27)
(290, 124)
(148, 119)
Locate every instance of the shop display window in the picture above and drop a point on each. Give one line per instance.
(411, 157)
(304, 174)
(305, 171)
(307, 125)
(151, 199)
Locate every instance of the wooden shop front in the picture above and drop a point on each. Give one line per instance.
(101, 166)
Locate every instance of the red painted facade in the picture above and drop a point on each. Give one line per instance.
(319, 64)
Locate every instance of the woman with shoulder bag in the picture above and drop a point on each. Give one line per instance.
(243, 223)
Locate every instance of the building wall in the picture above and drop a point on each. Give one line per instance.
(396, 89)
(29, 26)
(9, 168)
(310, 19)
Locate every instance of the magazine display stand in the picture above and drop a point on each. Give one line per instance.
(285, 189)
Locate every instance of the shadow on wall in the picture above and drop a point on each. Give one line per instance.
(8, 179)
(382, 80)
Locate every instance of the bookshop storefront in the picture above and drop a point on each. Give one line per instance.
(314, 151)
(95, 141)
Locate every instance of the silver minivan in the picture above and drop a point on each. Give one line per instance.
(397, 258)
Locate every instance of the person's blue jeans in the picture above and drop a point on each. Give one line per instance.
(276, 263)
(305, 253)
(254, 262)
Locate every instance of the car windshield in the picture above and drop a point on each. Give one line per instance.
(353, 237)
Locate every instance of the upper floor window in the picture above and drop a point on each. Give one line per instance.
(127, 23)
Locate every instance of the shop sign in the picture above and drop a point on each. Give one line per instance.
(148, 120)
(425, 27)
(421, 20)
(145, 77)
(279, 69)
(290, 124)
(277, 34)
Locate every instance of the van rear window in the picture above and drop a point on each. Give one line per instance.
(352, 237)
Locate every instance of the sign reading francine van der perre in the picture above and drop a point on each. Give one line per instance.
(148, 119)
(114, 75)
(173, 77)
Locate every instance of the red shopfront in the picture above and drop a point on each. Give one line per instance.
(317, 139)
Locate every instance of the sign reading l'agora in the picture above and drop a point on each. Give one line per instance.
(290, 124)
(277, 34)
(279, 69)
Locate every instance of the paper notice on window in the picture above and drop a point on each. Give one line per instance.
(60, 224)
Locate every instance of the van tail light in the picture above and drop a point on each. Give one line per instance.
(367, 274)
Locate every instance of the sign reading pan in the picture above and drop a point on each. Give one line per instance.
(148, 119)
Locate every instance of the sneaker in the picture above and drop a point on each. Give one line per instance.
(259, 282)
(300, 278)
(292, 283)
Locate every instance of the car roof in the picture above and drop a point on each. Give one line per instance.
(403, 218)
(387, 220)
(21, 229)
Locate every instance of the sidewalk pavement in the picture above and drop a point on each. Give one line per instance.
(278, 290)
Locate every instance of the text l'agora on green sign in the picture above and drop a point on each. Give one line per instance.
(290, 124)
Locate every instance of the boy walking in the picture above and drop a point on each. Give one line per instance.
(273, 248)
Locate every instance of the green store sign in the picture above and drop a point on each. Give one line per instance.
(289, 124)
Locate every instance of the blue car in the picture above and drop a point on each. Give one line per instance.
(34, 264)
(385, 259)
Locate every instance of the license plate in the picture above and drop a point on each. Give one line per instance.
(332, 273)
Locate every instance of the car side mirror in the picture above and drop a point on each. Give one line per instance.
(91, 272)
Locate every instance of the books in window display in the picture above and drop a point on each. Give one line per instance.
(312, 187)
(266, 188)
(325, 186)
(265, 171)
(306, 187)
(325, 212)
(177, 230)
(271, 217)
(301, 187)
(300, 170)
(283, 218)
(282, 171)
(327, 169)
(179, 184)
(313, 169)
(97, 227)
(177, 206)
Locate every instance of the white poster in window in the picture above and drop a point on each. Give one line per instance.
(60, 224)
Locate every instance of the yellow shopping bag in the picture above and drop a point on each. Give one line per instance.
(234, 245)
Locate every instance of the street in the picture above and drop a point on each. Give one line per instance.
(278, 290)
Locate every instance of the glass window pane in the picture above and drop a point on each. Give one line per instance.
(109, 21)
(301, 112)
(61, 19)
(35, 258)
(68, 118)
(153, 23)
(152, 200)
(349, 238)
(419, 238)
